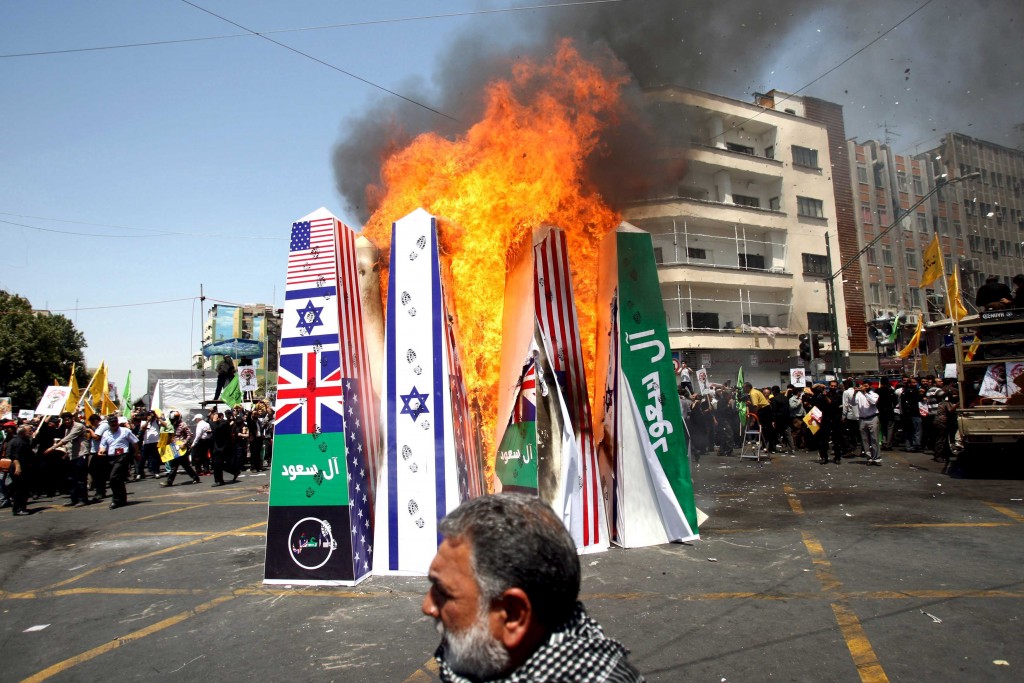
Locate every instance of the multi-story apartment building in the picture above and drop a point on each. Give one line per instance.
(992, 209)
(979, 223)
(741, 240)
(251, 321)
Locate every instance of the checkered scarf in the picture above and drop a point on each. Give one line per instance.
(579, 651)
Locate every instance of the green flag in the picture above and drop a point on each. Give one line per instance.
(895, 329)
(126, 397)
(231, 394)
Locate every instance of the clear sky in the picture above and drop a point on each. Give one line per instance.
(227, 141)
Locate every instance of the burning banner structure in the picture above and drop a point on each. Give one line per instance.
(472, 277)
(326, 435)
(431, 460)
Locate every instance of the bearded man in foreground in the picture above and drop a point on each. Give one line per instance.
(504, 588)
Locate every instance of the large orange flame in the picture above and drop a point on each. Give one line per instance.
(521, 166)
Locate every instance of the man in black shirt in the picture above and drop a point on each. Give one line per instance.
(993, 295)
(19, 450)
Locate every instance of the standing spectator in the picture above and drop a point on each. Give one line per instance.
(201, 445)
(945, 428)
(181, 440)
(835, 406)
(886, 413)
(19, 450)
(1018, 294)
(135, 425)
(99, 465)
(933, 396)
(225, 371)
(758, 405)
(910, 404)
(851, 418)
(867, 421)
(685, 380)
(222, 451)
(150, 441)
(823, 401)
(6, 473)
(47, 469)
(728, 419)
(256, 438)
(796, 417)
(779, 405)
(122, 447)
(239, 438)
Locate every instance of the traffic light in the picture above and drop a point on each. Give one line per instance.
(805, 346)
(816, 345)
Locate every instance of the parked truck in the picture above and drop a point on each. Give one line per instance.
(990, 367)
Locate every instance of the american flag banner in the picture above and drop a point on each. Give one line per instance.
(320, 483)
(468, 460)
(428, 467)
(556, 316)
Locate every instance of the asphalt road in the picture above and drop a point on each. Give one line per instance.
(804, 573)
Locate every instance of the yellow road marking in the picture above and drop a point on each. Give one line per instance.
(941, 524)
(184, 533)
(66, 664)
(162, 551)
(34, 595)
(864, 658)
(1017, 517)
(794, 503)
(427, 672)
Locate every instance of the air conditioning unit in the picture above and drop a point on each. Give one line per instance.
(975, 264)
(911, 319)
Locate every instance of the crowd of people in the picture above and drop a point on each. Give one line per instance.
(81, 458)
(852, 418)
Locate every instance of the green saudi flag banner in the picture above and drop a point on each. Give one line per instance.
(309, 469)
(647, 364)
(515, 465)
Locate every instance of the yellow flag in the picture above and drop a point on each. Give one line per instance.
(954, 305)
(932, 263)
(914, 341)
(89, 410)
(109, 407)
(973, 349)
(72, 403)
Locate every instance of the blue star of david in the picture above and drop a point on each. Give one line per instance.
(309, 317)
(414, 403)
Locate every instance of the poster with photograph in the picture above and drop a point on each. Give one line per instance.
(703, 385)
(53, 400)
(798, 377)
(994, 385)
(1014, 370)
(5, 408)
(246, 378)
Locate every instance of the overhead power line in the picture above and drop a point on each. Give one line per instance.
(97, 308)
(150, 232)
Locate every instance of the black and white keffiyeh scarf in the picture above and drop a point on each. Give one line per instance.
(577, 652)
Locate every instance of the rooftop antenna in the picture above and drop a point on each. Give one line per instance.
(890, 132)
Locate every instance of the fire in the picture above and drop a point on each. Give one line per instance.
(521, 166)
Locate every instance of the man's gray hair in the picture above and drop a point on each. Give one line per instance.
(516, 541)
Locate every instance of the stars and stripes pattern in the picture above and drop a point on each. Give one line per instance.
(467, 450)
(556, 314)
(354, 359)
(311, 252)
(359, 494)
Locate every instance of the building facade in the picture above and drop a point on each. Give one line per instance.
(979, 224)
(250, 321)
(741, 240)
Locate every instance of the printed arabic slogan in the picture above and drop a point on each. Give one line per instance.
(319, 529)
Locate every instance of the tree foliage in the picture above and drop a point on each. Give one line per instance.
(35, 350)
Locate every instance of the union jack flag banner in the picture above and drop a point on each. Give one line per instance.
(546, 440)
(326, 435)
(431, 459)
(644, 459)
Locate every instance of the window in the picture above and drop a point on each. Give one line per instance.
(911, 257)
(957, 230)
(756, 320)
(803, 156)
(886, 255)
(702, 321)
(698, 254)
(922, 223)
(866, 217)
(659, 255)
(810, 207)
(875, 291)
(818, 322)
(974, 241)
(915, 297)
(871, 256)
(878, 175)
(890, 295)
(883, 216)
(752, 261)
(774, 204)
(862, 174)
(744, 200)
(943, 226)
(948, 263)
(815, 264)
(918, 186)
(742, 149)
(769, 152)
(901, 181)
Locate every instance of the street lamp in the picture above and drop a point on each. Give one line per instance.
(830, 276)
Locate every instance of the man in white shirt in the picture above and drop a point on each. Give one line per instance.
(867, 410)
(121, 447)
(201, 445)
(851, 416)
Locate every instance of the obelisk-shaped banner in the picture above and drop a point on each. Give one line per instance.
(643, 452)
(431, 463)
(320, 528)
(546, 443)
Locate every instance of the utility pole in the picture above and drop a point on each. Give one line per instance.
(832, 319)
(202, 312)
